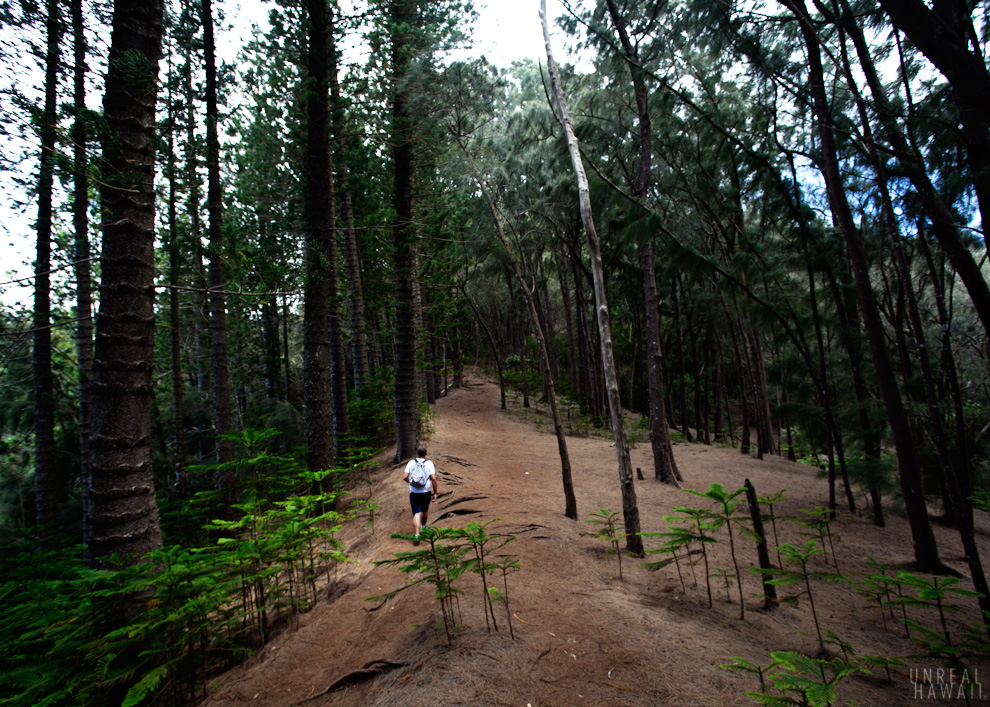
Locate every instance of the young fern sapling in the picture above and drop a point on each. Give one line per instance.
(799, 556)
(770, 501)
(481, 543)
(608, 530)
(726, 514)
(820, 520)
(726, 577)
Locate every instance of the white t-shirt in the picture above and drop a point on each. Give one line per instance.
(430, 469)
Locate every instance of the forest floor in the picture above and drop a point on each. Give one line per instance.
(582, 635)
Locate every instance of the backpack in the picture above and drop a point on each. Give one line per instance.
(420, 475)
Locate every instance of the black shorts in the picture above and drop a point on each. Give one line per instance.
(420, 502)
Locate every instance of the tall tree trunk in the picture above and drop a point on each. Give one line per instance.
(824, 395)
(665, 468)
(925, 548)
(45, 482)
(352, 262)
(201, 312)
(317, 384)
(630, 508)
(957, 487)
(180, 484)
(406, 391)
(83, 270)
(573, 354)
(588, 381)
(219, 363)
(950, 373)
(682, 409)
(124, 514)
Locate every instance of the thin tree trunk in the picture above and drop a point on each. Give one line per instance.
(942, 217)
(565, 291)
(491, 341)
(665, 468)
(45, 482)
(950, 373)
(352, 263)
(180, 486)
(219, 364)
(939, 38)
(925, 548)
(83, 270)
(201, 313)
(570, 500)
(682, 410)
(630, 508)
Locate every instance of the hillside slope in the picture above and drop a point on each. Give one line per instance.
(582, 635)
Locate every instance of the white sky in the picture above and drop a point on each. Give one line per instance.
(504, 31)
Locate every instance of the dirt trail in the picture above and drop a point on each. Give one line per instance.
(582, 636)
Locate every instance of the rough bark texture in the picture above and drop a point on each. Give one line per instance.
(630, 509)
(663, 457)
(316, 307)
(406, 391)
(124, 513)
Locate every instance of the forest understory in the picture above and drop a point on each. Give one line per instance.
(580, 635)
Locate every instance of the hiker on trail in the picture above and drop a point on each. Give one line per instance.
(422, 478)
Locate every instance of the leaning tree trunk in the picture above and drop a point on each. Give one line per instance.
(939, 38)
(570, 500)
(45, 483)
(956, 487)
(942, 217)
(630, 509)
(124, 522)
(925, 548)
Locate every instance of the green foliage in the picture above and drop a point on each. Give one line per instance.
(697, 524)
(85, 637)
(725, 514)
(933, 593)
(447, 555)
(608, 530)
(820, 520)
(796, 679)
(799, 556)
(483, 545)
(770, 501)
